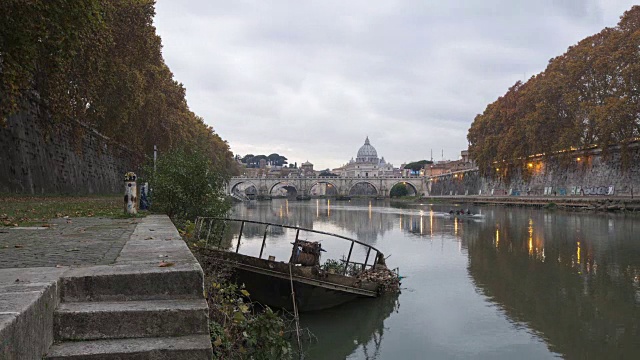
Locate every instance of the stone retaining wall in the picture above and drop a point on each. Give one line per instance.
(587, 173)
(68, 160)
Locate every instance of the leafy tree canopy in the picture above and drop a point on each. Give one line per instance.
(417, 165)
(253, 161)
(99, 63)
(327, 173)
(587, 96)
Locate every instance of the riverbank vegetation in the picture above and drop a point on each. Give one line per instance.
(97, 65)
(187, 183)
(586, 97)
(239, 328)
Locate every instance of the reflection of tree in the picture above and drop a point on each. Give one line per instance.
(342, 330)
(547, 271)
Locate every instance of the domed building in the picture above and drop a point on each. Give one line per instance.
(367, 163)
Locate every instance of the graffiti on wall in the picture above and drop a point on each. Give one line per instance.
(593, 190)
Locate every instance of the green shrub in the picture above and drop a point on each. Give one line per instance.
(399, 190)
(187, 184)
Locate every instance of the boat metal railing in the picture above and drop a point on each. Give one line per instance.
(205, 224)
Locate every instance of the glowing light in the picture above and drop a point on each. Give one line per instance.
(497, 169)
(497, 237)
(317, 208)
(455, 226)
(328, 208)
(578, 252)
(530, 237)
(431, 222)
(530, 165)
(578, 159)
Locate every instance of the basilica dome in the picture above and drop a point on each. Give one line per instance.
(367, 153)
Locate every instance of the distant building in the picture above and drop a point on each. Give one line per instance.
(366, 164)
(307, 169)
(447, 166)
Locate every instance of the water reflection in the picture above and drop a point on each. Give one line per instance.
(563, 283)
(573, 278)
(364, 223)
(353, 329)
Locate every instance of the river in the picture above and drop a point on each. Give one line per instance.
(514, 283)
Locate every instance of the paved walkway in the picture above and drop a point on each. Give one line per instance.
(120, 266)
(67, 242)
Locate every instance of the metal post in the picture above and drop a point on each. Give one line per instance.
(199, 219)
(346, 265)
(364, 267)
(224, 226)
(294, 250)
(208, 232)
(240, 237)
(155, 157)
(264, 239)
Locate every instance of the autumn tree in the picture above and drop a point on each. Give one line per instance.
(588, 96)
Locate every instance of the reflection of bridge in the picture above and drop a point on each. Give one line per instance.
(342, 185)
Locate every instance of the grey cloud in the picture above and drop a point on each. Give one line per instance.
(311, 79)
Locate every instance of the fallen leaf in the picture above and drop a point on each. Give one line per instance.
(17, 280)
(59, 266)
(19, 246)
(70, 250)
(218, 342)
(149, 238)
(165, 264)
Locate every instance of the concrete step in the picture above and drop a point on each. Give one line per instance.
(195, 347)
(130, 319)
(133, 282)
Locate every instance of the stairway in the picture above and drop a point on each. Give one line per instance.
(131, 313)
(135, 309)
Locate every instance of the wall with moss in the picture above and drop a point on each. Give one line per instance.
(61, 160)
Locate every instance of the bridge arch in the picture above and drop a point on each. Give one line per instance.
(234, 186)
(328, 182)
(357, 182)
(285, 184)
(406, 183)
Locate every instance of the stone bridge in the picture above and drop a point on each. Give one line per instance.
(343, 185)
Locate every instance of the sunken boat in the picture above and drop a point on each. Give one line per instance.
(301, 283)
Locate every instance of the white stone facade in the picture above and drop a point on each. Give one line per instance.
(367, 164)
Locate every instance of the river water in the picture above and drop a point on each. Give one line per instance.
(516, 283)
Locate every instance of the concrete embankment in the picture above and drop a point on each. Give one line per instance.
(574, 203)
(146, 303)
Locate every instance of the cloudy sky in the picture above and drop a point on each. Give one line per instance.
(310, 79)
